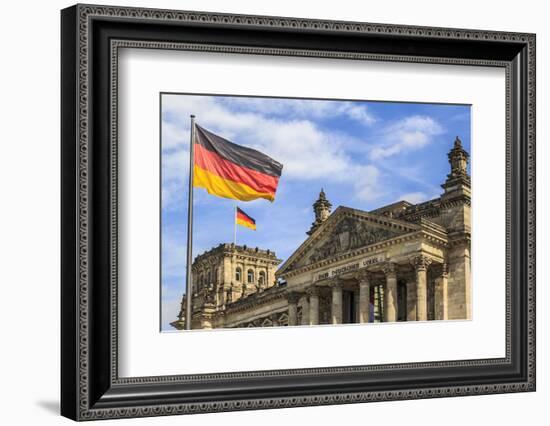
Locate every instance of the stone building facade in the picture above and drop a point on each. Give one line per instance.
(400, 262)
(222, 277)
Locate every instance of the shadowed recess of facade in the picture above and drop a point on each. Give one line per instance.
(401, 262)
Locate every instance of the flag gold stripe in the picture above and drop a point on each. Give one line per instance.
(246, 224)
(226, 188)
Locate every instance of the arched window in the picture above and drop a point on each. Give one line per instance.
(238, 273)
(261, 279)
(250, 276)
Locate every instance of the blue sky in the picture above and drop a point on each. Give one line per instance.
(364, 154)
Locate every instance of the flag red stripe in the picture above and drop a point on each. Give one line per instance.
(237, 154)
(246, 218)
(212, 162)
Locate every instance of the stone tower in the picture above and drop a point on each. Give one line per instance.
(322, 209)
(455, 216)
(224, 275)
(458, 181)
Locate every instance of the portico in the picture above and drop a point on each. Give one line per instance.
(414, 289)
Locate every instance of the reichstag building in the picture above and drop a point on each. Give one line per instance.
(400, 262)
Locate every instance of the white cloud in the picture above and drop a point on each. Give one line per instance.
(304, 108)
(365, 182)
(306, 151)
(173, 136)
(359, 113)
(410, 133)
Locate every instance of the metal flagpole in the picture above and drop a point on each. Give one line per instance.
(235, 226)
(189, 283)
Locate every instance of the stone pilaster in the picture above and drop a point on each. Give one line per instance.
(390, 293)
(304, 302)
(313, 293)
(337, 313)
(421, 264)
(293, 298)
(364, 297)
(441, 298)
(459, 281)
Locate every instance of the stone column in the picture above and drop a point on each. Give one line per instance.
(390, 293)
(421, 264)
(337, 314)
(364, 298)
(441, 299)
(313, 293)
(293, 308)
(411, 300)
(275, 320)
(304, 302)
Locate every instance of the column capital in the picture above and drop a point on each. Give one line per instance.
(313, 290)
(389, 269)
(293, 297)
(421, 262)
(363, 277)
(336, 283)
(444, 269)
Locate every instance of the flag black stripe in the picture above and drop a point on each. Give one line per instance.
(239, 211)
(240, 155)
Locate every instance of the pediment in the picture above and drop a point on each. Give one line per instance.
(344, 231)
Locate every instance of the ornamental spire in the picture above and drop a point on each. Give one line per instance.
(458, 181)
(458, 158)
(322, 208)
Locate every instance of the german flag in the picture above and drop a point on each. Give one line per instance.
(228, 170)
(244, 220)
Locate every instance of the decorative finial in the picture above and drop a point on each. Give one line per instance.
(322, 209)
(458, 180)
(458, 159)
(458, 143)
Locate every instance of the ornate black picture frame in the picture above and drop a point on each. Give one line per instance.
(91, 37)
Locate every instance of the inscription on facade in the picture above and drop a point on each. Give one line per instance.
(363, 263)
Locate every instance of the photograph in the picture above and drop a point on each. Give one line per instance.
(272, 208)
(313, 212)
